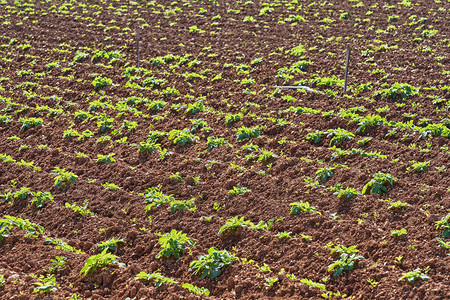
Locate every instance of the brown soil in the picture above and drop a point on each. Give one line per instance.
(56, 34)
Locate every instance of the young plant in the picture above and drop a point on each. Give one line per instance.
(22, 193)
(443, 244)
(199, 124)
(266, 155)
(212, 264)
(285, 235)
(8, 223)
(30, 122)
(339, 135)
(57, 264)
(176, 176)
(346, 262)
(398, 90)
(156, 277)
(411, 277)
(101, 260)
(61, 245)
(379, 183)
(230, 118)
(63, 177)
(195, 289)
(311, 283)
(101, 82)
(270, 282)
(214, 142)
(180, 205)
(81, 210)
(315, 136)
(444, 224)
(234, 224)
(342, 249)
(108, 158)
(182, 137)
(298, 207)
(111, 186)
(46, 284)
(238, 190)
(110, 245)
(156, 198)
(398, 205)
(173, 244)
(247, 132)
(148, 146)
(70, 133)
(364, 141)
(369, 121)
(325, 173)
(421, 166)
(105, 122)
(398, 233)
(195, 107)
(41, 198)
(347, 193)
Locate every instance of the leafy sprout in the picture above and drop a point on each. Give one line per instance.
(101, 260)
(156, 277)
(173, 244)
(111, 244)
(298, 207)
(413, 276)
(379, 183)
(213, 263)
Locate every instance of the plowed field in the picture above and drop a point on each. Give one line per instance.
(312, 193)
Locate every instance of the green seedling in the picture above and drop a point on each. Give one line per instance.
(173, 244)
(213, 263)
(156, 277)
(110, 245)
(98, 261)
(234, 224)
(195, 289)
(413, 276)
(379, 183)
(298, 207)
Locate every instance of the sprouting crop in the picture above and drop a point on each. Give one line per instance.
(379, 183)
(238, 190)
(247, 133)
(111, 244)
(63, 177)
(173, 244)
(444, 224)
(234, 224)
(298, 207)
(182, 137)
(212, 264)
(98, 261)
(156, 277)
(398, 90)
(413, 276)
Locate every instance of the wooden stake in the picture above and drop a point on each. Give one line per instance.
(138, 33)
(346, 68)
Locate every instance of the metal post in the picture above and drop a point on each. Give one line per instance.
(215, 5)
(138, 33)
(346, 68)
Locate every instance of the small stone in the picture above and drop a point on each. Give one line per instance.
(304, 288)
(133, 292)
(230, 283)
(87, 294)
(13, 278)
